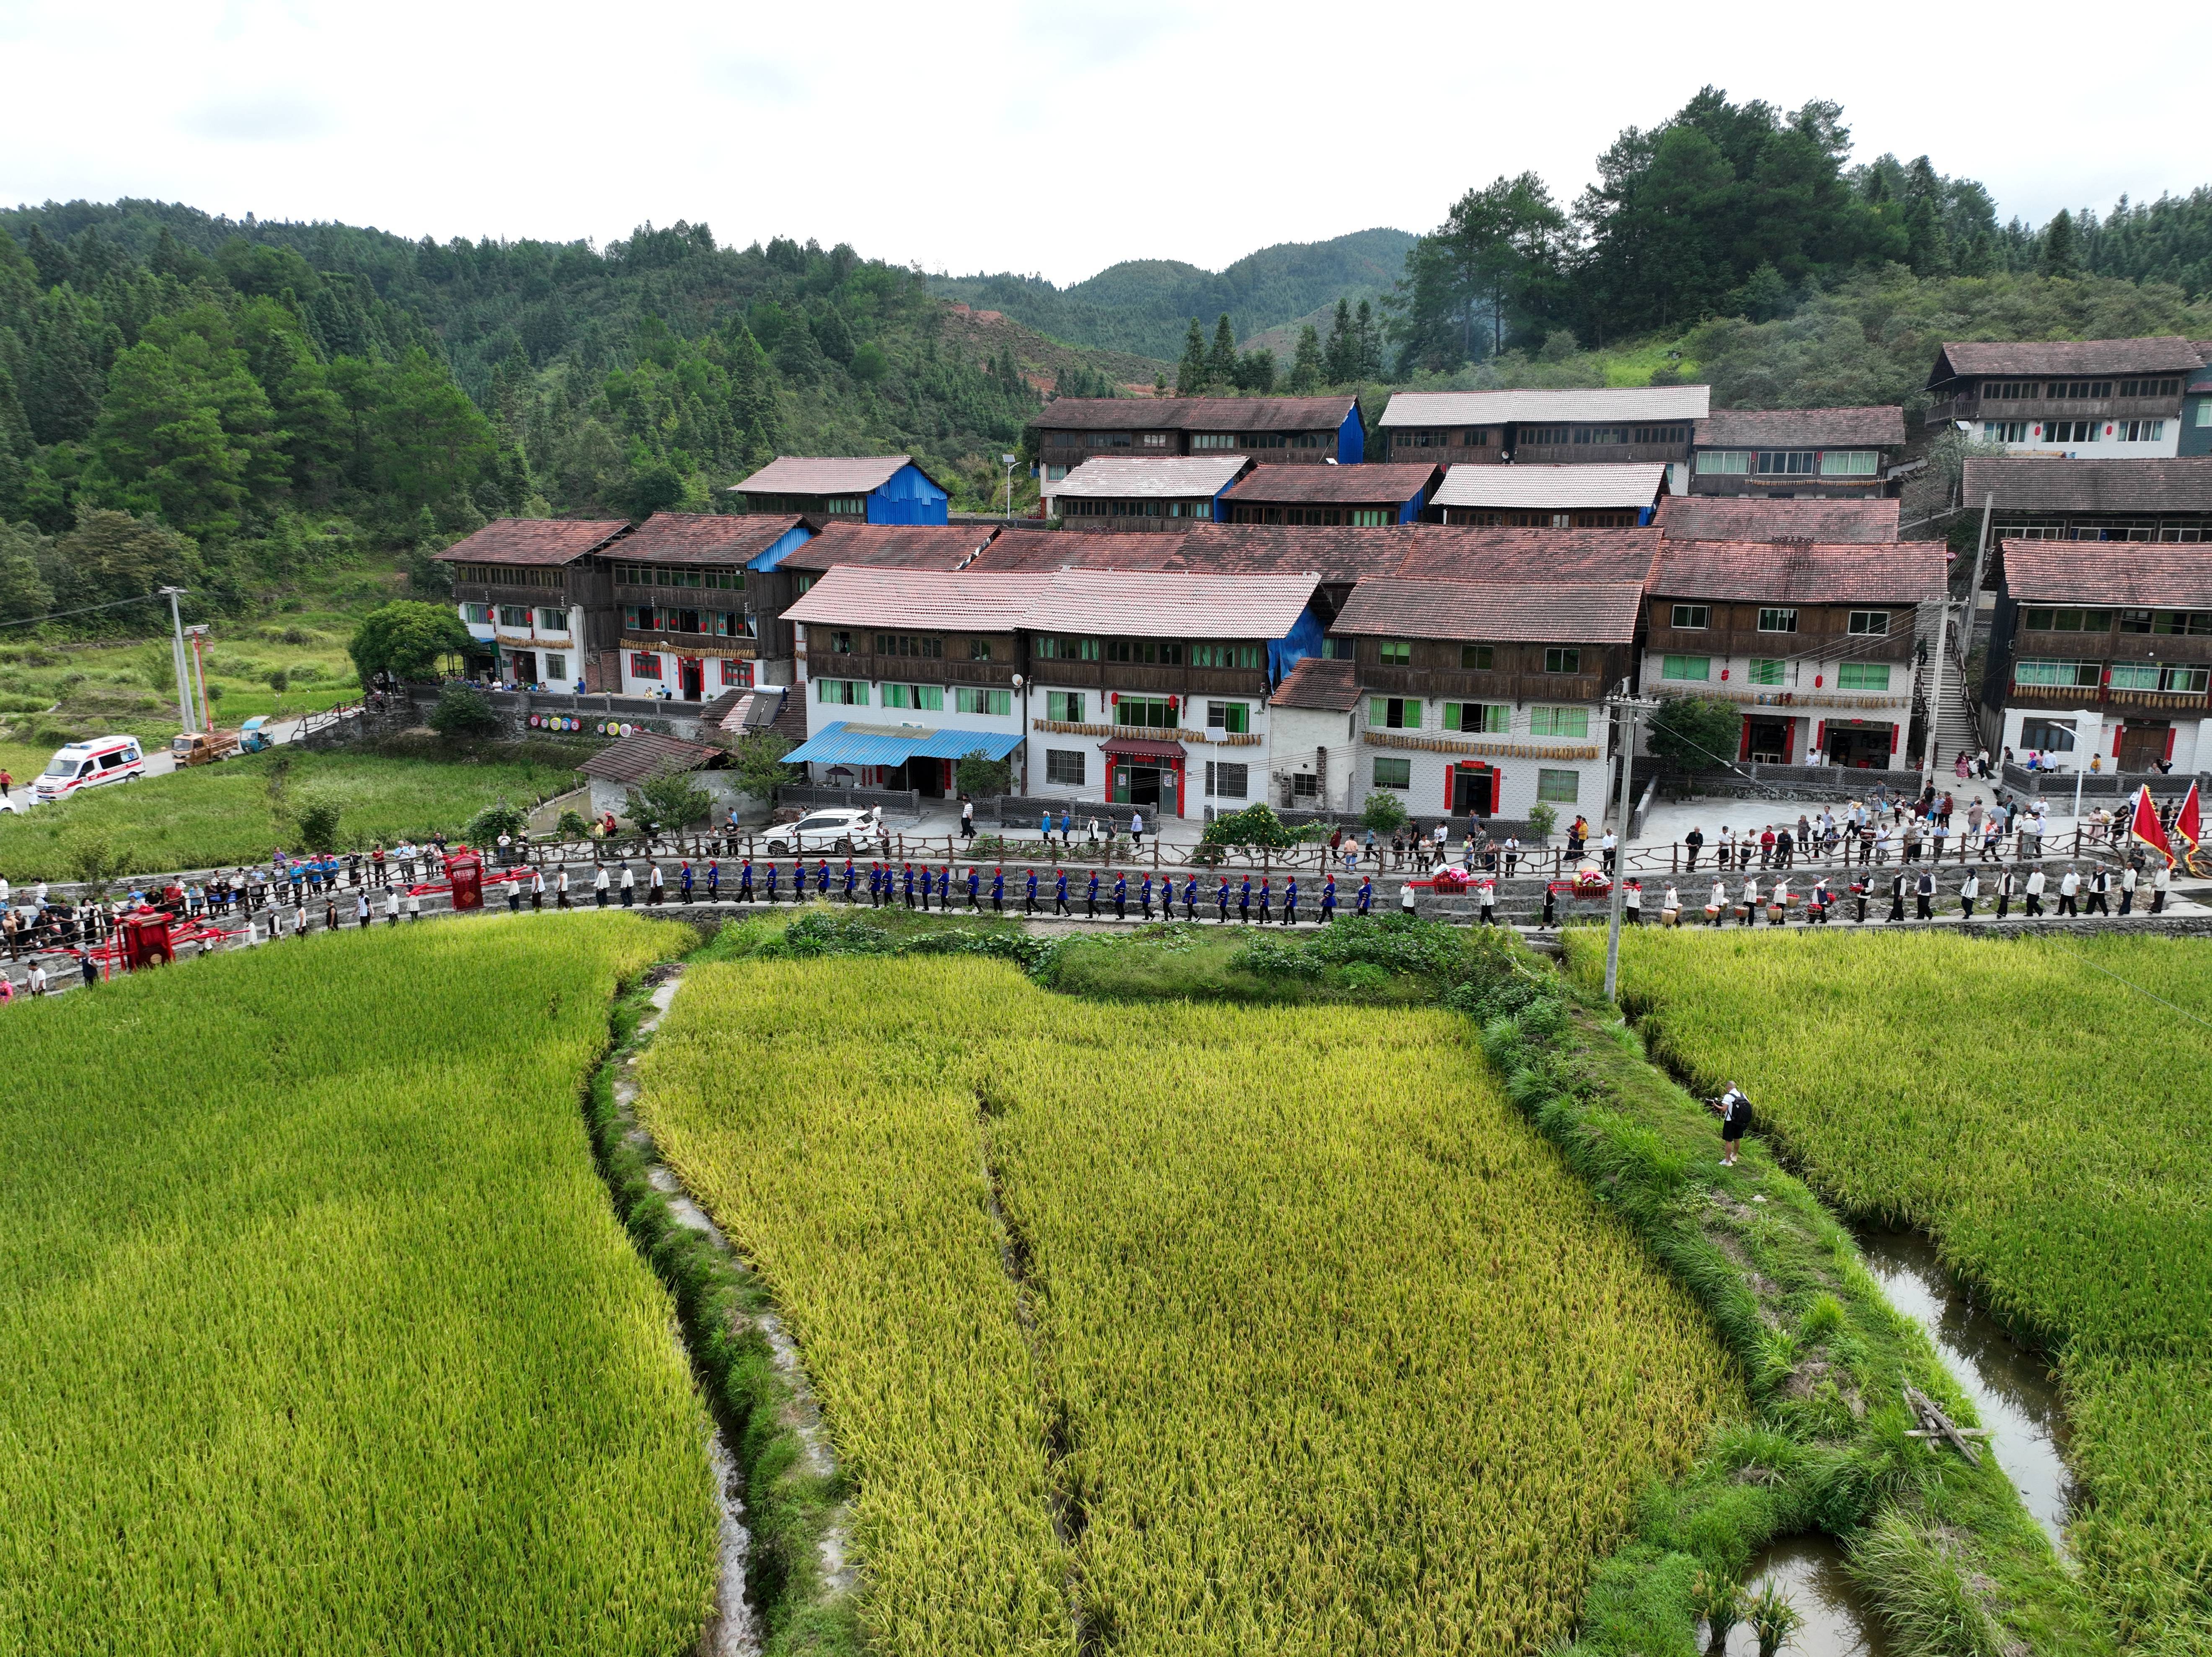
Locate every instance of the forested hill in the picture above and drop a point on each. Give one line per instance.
(1144, 305)
(280, 392)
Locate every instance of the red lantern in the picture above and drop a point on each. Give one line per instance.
(1115, 698)
(1725, 673)
(1172, 703)
(1818, 680)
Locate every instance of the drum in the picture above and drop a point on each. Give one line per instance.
(1670, 917)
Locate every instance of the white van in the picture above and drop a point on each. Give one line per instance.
(83, 765)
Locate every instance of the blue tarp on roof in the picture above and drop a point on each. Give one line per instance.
(847, 744)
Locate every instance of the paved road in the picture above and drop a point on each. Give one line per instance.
(158, 763)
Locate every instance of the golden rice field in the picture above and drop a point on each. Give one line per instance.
(1305, 1340)
(320, 1334)
(2052, 1127)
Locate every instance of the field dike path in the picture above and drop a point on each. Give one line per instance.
(737, 1627)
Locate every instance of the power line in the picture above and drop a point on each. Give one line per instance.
(58, 615)
(2137, 988)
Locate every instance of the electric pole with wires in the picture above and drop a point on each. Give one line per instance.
(1628, 712)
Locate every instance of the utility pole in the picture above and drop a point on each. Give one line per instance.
(1008, 460)
(1629, 711)
(1935, 688)
(199, 677)
(177, 655)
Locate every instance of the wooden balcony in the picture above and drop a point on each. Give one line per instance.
(1449, 685)
(910, 670)
(1895, 646)
(1149, 681)
(1592, 454)
(692, 644)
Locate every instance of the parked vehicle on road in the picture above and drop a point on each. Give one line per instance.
(202, 747)
(254, 735)
(838, 831)
(83, 765)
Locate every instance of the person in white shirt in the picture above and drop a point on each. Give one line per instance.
(1671, 908)
(37, 981)
(414, 906)
(2035, 890)
(1781, 898)
(1970, 889)
(1717, 905)
(2161, 884)
(1606, 848)
(2128, 877)
(1632, 901)
(536, 889)
(1751, 900)
(1406, 897)
(2069, 884)
(560, 889)
(1136, 825)
(392, 906)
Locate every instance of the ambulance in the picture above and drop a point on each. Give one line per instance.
(83, 765)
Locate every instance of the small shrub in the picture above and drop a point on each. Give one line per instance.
(462, 711)
(487, 825)
(573, 824)
(317, 818)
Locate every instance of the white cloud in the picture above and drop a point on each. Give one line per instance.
(1058, 139)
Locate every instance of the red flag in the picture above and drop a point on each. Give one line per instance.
(2188, 822)
(2146, 826)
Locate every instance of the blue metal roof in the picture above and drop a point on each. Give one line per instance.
(847, 744)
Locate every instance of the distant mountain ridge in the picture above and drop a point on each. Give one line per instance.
(1144, 305)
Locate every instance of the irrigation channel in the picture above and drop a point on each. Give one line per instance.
(2015, 1399)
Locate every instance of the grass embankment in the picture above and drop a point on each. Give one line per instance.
(236, 812)
(1173, 1326)
(2046, 1124)
(321, 1335)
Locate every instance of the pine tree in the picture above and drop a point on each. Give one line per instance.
(1926, 250)
(1341, 361)
(1367, 364)
(1190, 372)
(2060, 255)
(1305, 366)
(1221, 360)
(62, 393)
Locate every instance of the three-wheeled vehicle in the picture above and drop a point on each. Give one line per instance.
(253, 735)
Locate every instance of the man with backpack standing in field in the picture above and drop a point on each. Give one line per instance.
(1736, 1117)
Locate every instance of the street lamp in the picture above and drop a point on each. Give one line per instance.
(1630, 711)
(1009, 460)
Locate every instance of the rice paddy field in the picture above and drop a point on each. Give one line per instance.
(1176, 1327)
(239, 810)
(320, 1333)
(2030, 1105)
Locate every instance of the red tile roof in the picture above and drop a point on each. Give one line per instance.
(1634, 484)
(534, 541)
(1339, 555)
(1583, 612)
(1791, 573)
(1882, 426)
(1752, 518)
(794, 474)
(1377, 485)
(2159, 575)
(674, 538)
(1169, 603)
(1204, 414)
(893, 546)
(2168, 353)
(635, 757)
(2035, 482)
(1321, 683)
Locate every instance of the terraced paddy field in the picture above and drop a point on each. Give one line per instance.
(2042, 1107)
(1181, 1327)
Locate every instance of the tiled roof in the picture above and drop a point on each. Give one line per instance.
(1746, 429)
(893, 546)
(1580, 403)
(1070, 601)
(1451, 552)
(633, 758)
(2162, 574)
(2033, 482)
(793, 474)
(1558, 488)
(1200, 414)
(2168, 353)
(1754, 518)
(1116, 478)
(683, 537)
(1585, 612)
(534, 541)
(1753, 572)
(1373, 485)
(1342, 555)
(1320, 683)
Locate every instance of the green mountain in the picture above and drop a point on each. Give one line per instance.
(1144, 306)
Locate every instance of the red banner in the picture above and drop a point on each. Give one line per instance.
(2146, 826)
(2188, 823)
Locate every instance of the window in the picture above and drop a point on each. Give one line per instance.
(2070, 431)
(2071, 390)
(1243, 656)
(2192, 681)
(1064, 707)
(644, 664)
(1212, 440)
(908, 644)
(1333, 650)
(2205, 411)
(2010, 391)
(1662, 434)
(850, 692)
(848, 505)
(734, 672)
(1863, 675)
(478, 614)
(733, 624)
(1778, 620)
(2069, 621)
(2181, 621)
(1061, 649)
(1393, 772)
(1394, 713)
(979, 650)
(1235, 717)
(1697, 669)
(1764, 670)
(2141, 388)
(2046, 736)
(966, 700)
(1144, 713)
(1559, 787)
(2138, 431)
(1144, 650)
(2066, 675)
(1492, 717)
(1226, 781)
(2004, 431)
(1559, 722)
(801, 582)
(1395, 652)
(556, 668)
(1546, 437)
(1562, 659)
(1064, 767)
(1869, 620)
(1476, 658)
(515, 615)
(1304, 786)
(1607, 435)
(2134, 676)
(841, 644)
(553, 620)
(1785, 462)
(1723, 462)
(910, 695)
(1696, 617)
(642, 618)
(1847, 462)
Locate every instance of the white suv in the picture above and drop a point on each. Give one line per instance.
(842, 831)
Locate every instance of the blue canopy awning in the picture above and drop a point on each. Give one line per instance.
(847, 744)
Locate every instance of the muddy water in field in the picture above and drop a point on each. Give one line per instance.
(2010, 1385)
(1810, 1570)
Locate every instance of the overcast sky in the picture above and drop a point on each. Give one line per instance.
(1057, 139)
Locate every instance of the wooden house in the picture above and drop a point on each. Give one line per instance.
(1782, 453)
(2119, 399)
(1620, 495)
(1297, 430)
(1583, 426)
(1122, 493)
(685, 589)
(1778, 518)
(536, 601)
(2044, 498)
(1368, 497)
(884, 489)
